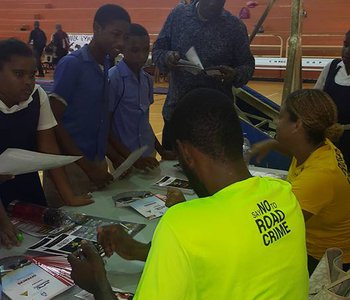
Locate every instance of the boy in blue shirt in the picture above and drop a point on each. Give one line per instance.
(132, 95)
(80, 99)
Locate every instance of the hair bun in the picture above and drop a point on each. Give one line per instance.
(334, 132)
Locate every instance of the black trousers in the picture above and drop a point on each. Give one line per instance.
(38, 53)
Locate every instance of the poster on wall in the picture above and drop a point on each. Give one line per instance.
(78, 40)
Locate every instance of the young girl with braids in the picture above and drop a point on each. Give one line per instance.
(306, 130)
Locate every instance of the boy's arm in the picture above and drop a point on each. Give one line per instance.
(67, 144)
(66, 77)
(165, 154)
(47, 143)
(116, 146)
(116, 149)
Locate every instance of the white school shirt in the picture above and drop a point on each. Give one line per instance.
(341, 78)
(46, 118)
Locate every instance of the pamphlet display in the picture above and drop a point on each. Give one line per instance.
(35, 278)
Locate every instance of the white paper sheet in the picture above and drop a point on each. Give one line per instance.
(126, 165)
(18, 161)
(193, 57)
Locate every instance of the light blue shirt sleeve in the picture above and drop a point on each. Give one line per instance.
(116, 89)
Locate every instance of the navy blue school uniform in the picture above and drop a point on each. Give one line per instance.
(341, 96)
(19, 130)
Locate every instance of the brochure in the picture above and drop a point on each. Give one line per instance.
(35, 278)
(125, 198)
(64, 244)
(127, 164)
(194, 65)
(151, 207)
(168, 181)
(81, 225)
(18, 161)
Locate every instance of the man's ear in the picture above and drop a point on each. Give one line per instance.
(185, 152)
(298, 126)
(97, 28)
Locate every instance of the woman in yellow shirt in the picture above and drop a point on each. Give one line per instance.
(307, 124)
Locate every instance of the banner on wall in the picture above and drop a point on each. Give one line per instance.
(78, 40)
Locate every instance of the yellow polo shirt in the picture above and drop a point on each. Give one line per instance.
(322, 186)
(247, 241)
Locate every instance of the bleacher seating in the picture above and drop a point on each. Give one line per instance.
(322, 17)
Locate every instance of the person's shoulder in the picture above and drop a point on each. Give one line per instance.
(276, 185)
(114, 72)
(73, 59)
(232, 20)
(182, 215)
(43, 97)
(147, 76)
(179, 8)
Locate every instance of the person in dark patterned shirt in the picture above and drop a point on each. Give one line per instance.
(221, 41)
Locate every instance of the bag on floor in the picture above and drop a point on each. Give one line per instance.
(329, 281)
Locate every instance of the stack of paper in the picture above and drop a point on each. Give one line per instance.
(38, 278)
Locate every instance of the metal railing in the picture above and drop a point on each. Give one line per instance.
(278, 46)
(317, 46)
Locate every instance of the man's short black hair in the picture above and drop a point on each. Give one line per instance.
(206, 118)
(109, 13)
(137, 30)
(12, 47)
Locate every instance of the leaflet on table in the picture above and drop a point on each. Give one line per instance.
(64, 244)
(81, 225)
(125, 198)
(18, 161)
(151, 207)
(88, 229)
(127, 164)
(35, 278)
(119, 294)
(40, 230)
(173, 182)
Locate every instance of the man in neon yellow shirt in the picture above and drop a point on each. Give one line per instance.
(244, 238)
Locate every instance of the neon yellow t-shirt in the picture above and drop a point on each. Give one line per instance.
(322, 186)
(247, 241)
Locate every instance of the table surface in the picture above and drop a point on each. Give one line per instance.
(122, 273)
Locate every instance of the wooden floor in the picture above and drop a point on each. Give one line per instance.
(271, 90)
